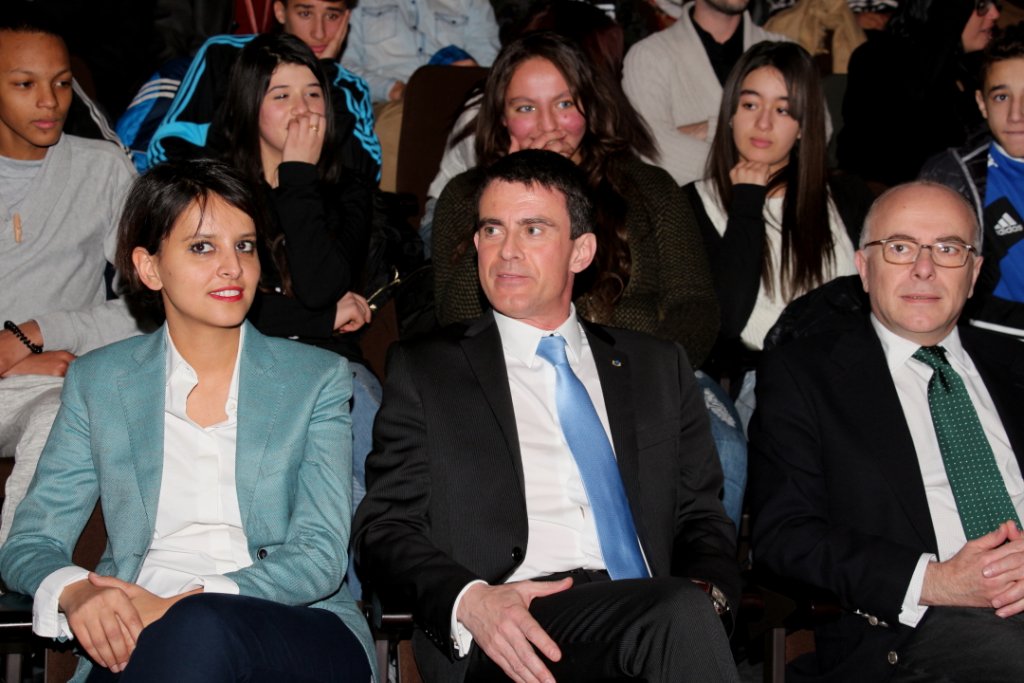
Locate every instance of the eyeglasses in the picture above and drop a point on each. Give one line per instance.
(981, 7)
(902, 252)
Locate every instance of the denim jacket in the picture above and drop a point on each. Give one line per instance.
(389, 39)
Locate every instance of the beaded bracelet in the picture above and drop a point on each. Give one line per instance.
(16, 331)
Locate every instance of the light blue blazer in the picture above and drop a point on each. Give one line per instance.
(293, 472)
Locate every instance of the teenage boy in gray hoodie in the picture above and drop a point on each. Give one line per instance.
(60, 197)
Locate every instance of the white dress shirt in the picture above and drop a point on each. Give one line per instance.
(562, 531)
(911, 378)
(198, 533)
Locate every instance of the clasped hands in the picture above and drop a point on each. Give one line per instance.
(107, 615)
(987, 572)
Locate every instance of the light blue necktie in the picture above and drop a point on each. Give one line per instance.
(596, 461)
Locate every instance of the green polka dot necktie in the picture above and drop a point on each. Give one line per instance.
(978, 487)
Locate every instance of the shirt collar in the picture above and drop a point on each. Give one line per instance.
(520, 339)
(182, 379)
(899, 350)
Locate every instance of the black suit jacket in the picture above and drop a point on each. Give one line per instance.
(836, 491)
(445, 501)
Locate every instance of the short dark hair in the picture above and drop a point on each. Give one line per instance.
(155, 202)
(1008, 44)
(24, 17)
(552, 172)
(349, 4)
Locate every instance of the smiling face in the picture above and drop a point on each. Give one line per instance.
(35, 93)
(1002, 104)
(541, 111)
(525, 256)
(762, 127)
(919, 301)
(292, 92)
(317, 23)
(977, 33)
(206, 269)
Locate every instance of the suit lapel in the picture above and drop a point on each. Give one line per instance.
(613, 368)
(1004, 379)
(142, 395)
(876, 409)
(482, 347)
(261, 386)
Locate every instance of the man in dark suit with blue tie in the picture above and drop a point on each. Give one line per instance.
(886, 461)
(543, 494)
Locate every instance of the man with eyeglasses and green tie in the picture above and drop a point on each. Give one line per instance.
(886, 461)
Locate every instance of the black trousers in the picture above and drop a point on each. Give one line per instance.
(226, 638)
(963, 645)
(657, 630)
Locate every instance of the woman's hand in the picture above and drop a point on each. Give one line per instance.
(552, 141)
(305, 138)
(352, 313)
(104, 620)
(750, 173)
(150, 607)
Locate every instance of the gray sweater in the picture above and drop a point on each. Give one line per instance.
(69, 232)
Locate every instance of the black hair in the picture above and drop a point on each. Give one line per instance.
(1008, 44)
(551, 171)
(155, 202)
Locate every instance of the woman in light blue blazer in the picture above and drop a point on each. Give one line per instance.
(221, 459)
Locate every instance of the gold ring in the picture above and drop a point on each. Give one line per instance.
(314, 128)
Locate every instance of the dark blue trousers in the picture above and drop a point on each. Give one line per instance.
(228, 638)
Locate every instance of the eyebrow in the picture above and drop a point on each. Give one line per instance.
(34, 72)
(748, 91)
(946, 238)
(529, 220)
(213, 235)
(311, 84)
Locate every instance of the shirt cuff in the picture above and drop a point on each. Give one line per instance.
(215, 583)
(912, 610)
(461, 637)
(47, 620)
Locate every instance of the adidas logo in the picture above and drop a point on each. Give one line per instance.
(1007, 226)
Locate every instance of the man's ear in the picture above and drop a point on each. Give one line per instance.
(861, 261)
(980, 99)
(583, 249)
(145, 266)
(279, 11)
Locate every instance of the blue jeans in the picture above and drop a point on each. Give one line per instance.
(366, 394)
(730, 442)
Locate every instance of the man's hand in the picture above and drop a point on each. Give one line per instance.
(697, 130)
(13, 350)
(104, 620)
(352, 312)
(53, 363)
(749, 173)
(305, 138)
(149, 606)
(397, 91)
(501, 624)
(333, 49)
(986, 572)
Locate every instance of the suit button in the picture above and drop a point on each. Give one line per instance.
(517, 554)
(873, 620)
(892, 657)
(261, 554)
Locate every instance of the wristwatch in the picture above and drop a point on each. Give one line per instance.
(717, 596)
